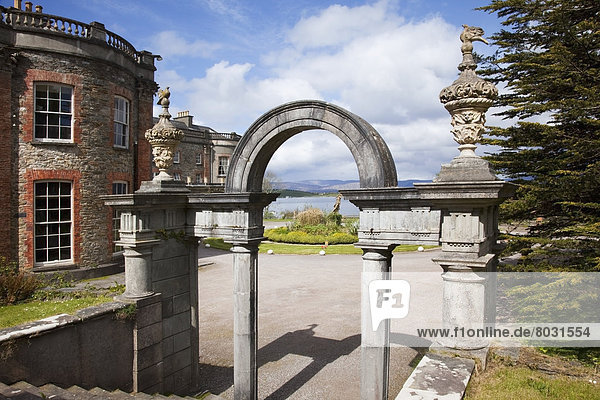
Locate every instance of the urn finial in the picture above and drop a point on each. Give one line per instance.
(469, 97)
(163, 138)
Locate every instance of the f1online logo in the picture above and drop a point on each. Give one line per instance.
(388, 299)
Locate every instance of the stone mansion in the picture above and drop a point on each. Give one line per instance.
(77, 100)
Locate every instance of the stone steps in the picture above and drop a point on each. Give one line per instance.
(26, 391)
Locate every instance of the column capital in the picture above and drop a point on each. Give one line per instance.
(376, 251)
(461, 262)
(246, 247)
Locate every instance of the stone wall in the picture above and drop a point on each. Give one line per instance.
(193, 143)
(206, 142)
(92, 348)
(174, 269)
(7, 213)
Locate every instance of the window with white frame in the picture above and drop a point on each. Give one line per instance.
(198, 158)
(118, 187)
(199, 178)
(223, 165)
(53, 221)
(177, 176)
(121, 123)
(176, 157)
(53, 112)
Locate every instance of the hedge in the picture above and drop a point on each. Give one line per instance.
(283, 235)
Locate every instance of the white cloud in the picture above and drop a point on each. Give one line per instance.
(171, 44)
(228, 100)
(337, 25)
(367, 59)
(314, 154)
(229, 8)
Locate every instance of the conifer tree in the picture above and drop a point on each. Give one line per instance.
(549, 62)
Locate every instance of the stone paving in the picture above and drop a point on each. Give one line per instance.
(309, 324)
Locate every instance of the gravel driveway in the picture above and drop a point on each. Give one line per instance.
(309, 324)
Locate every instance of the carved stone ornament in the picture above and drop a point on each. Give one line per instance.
(163, 138)
(469, 97)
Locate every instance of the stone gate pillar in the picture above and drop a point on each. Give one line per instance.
(245, 320)
(388, 217)
(161, 271)
(468, 193)
(238, 219)
(375, 351)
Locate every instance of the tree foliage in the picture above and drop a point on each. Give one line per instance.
(549, 62)
(270, 182)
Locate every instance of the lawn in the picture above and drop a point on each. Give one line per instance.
(21, 313)
(305, 249)
(535, 376)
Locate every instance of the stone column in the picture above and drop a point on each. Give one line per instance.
(137, 240)
(138, 270)
(464, 302)
(375, 352)
(245, 321)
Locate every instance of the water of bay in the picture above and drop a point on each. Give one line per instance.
(325, 203)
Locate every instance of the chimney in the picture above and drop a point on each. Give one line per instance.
(28, 6)
(38, 9)
(185, 117)
(17, 4)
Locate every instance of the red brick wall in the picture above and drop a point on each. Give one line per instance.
(7, 213)
(65, 175)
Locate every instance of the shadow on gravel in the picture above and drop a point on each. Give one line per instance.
(302, 342)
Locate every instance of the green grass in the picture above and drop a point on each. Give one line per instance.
(509, 383)
(301, 249)
(17, 314)
(589, 356)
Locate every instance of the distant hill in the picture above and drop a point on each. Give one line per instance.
(295, 193)
(331, 185)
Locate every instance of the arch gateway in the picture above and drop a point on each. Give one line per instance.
(162, 223)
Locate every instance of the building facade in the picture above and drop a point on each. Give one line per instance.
(76, 101)
(202, 157)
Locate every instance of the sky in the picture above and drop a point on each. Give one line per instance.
(229, 61)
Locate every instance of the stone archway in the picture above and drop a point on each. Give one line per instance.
(376, 169)
(249, 161)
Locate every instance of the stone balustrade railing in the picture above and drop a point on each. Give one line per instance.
(118, 42)
(227, 136)
(32, 21)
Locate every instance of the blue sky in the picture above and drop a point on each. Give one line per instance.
(229, 61)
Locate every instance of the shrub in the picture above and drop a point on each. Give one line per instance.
(15, 285)
(286, 236)
(311, 216)
(289, 214)
(334, 219)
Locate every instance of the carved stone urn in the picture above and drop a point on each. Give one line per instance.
(163, 138)
(467, 100)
